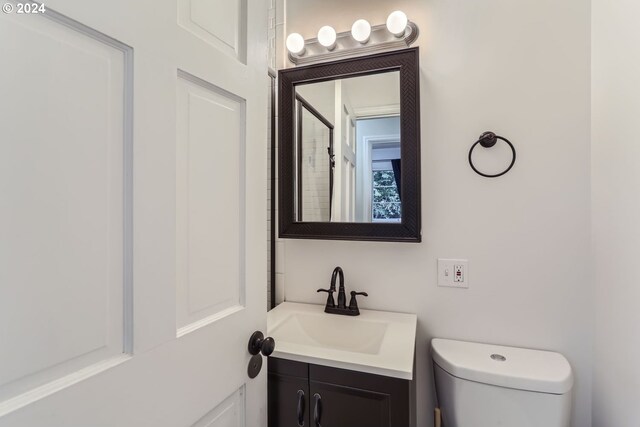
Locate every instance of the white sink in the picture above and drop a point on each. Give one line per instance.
(376, 341)
(331, 331)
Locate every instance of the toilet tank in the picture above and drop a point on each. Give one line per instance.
(483, 385)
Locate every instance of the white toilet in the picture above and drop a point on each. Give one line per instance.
(482, 385)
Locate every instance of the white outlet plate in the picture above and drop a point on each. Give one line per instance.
(453, 273)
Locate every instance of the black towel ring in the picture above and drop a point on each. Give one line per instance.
(488, 140)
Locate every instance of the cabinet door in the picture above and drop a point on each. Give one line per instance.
(353, 399)
(288, 393)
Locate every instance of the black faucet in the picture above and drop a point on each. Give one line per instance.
(341, 308)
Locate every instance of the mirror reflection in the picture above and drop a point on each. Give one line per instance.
(347, 150)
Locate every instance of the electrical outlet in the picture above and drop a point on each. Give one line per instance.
(453, 273)
(458, 273)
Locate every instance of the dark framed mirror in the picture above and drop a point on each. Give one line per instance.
(349, 149)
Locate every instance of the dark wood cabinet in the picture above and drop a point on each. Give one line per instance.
(335, 397)
(285, 382)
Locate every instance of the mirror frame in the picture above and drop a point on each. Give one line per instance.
(409, 229)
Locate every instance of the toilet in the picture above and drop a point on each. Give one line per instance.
(483, 385)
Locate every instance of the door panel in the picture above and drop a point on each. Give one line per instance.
(344, 113)
(284, 397)
(211, 192)
(229, 413)
(286, 379)
(344, 406)
(118, 121)
(350, 398)
(221, 23)
(63, 182)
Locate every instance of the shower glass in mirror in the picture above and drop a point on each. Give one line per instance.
(347, 150)
(314, 172)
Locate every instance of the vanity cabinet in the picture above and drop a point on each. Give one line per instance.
(339, 397)
(286, 378)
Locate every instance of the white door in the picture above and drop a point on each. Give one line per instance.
(132, 212)
(348, 161)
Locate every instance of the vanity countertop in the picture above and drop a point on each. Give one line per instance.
(376, 342)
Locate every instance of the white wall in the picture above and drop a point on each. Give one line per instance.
(322, 96)
(520, 68)
(616, 211)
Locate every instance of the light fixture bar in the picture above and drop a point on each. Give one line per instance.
(381, 40)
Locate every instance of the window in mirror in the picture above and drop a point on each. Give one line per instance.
(386, 205)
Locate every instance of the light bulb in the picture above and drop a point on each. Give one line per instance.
(361, 30)
(327, 37)
(397, 23)
(295, 43)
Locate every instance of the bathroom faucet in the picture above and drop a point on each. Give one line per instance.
(342, 296)
(341, 308)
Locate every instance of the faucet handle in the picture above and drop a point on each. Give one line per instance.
(330, 301)
(353, 304)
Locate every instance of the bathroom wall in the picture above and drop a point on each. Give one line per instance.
(271, 60)
(616, 211)
(522, 69)
(322, 96)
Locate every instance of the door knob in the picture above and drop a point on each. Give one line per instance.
(259, 344)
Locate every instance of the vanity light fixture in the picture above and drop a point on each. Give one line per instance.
(295, 44)
(327, 37)
(361, 31)
(397, 23)
(363, 39)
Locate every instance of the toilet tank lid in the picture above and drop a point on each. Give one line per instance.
(512, 367)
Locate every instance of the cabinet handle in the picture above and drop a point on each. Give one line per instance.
(300, 408)
(317, 410)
